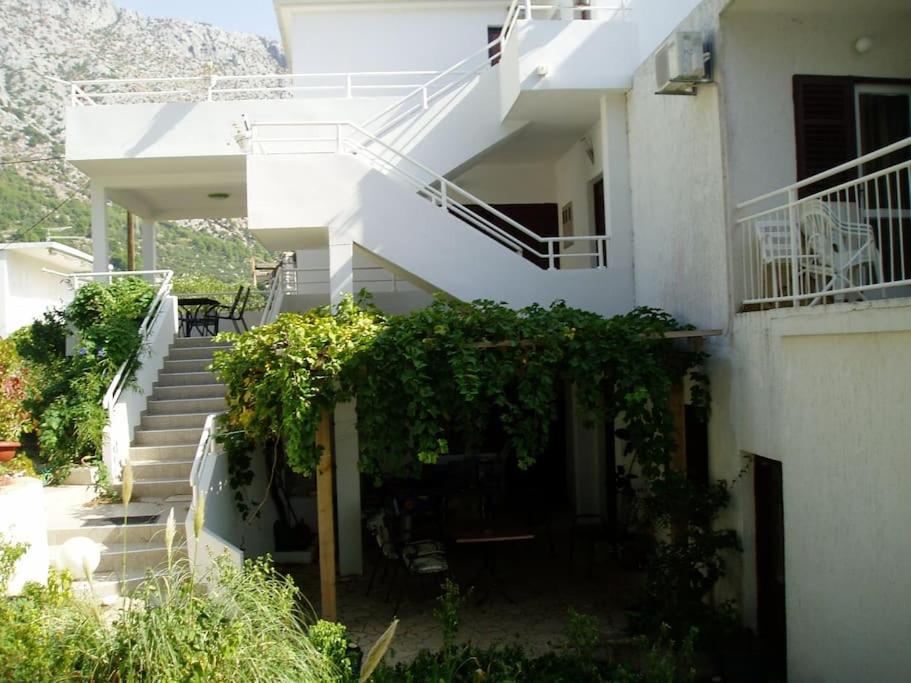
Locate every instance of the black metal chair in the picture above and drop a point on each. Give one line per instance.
(236, 311)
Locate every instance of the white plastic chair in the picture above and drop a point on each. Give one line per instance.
(842, 253)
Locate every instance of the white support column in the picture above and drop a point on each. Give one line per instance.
(618, 211)
(99, 227)
(149, 256)
(347, 452)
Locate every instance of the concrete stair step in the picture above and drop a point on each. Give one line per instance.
(140, 556)
(113, 533)
(144, 470)
(161, 488)
(163, 454)
(173, 421)
(194, 352)
(191, 365)
(187, 342)
(183, 406)
(181, 392)
(173, 379)
(167, 437)
(107, 585)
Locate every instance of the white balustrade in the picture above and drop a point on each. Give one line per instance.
(841, 234)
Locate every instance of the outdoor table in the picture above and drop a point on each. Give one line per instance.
(489, 537)
(192, 309)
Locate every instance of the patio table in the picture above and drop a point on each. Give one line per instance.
(489, 537)
(193, 310)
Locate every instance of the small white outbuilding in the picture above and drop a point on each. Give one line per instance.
(27, 288)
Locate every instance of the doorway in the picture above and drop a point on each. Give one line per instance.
(770, 567)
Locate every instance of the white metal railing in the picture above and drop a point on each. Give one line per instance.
(204, 450)
(148, 323)
(304, 281)
(251, 87)
(844, 232)
(275, 297)
(348, 138)
(156, 332)
(416, 94)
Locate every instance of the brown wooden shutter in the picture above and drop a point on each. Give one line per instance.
(824, 127)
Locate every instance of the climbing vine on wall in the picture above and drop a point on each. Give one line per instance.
(454, 367)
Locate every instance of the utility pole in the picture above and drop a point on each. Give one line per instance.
(131, 243)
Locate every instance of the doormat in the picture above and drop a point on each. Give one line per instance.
(123, 521)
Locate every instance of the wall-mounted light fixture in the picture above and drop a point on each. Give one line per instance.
(589, 148)
(218, 195)
(863, 45)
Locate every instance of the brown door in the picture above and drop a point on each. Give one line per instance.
(770, 567)
(598, 204)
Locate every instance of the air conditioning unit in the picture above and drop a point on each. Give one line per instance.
(682, 62)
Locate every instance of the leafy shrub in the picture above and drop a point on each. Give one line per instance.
(14, 378)
(248, 628)
(66, 392)
(332, 640)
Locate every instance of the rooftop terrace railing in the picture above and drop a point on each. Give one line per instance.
(844, 233)
(416, 89)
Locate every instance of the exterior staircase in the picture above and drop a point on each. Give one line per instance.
(162, 453)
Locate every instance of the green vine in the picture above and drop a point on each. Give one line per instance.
(453, 368)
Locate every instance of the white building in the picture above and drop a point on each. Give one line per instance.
(32, 280)
(484, 149)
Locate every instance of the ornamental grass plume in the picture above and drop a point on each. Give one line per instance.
(377, 652)
(127, 485)
(170, 530)
(199, 515)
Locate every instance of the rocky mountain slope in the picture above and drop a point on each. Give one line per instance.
(46, 42)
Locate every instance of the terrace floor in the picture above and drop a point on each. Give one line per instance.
(543, 587)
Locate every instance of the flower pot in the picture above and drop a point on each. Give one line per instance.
(8, 450)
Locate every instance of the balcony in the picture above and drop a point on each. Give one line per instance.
(841, 235)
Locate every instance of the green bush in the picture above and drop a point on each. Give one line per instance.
(332, 641)
(14, 378)
(65, 394)
(247, 628)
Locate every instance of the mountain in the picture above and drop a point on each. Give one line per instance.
(44, 42)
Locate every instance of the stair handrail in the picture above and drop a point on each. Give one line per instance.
(512, 17)
(442, 197)
(203, 450)
(276, 295)
(153, 315)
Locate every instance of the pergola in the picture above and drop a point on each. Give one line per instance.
(325, 488)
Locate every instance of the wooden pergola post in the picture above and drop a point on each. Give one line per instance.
(325, 505)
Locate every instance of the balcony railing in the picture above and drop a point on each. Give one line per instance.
(802, 245)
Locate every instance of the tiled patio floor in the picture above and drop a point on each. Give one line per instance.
(543, 589)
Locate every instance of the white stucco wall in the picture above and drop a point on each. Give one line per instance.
(389, 39)
(576, 175)
(323, 194)
(26, 291)
(764, 50)
(825, 392)
(531, 183)
(678, 187)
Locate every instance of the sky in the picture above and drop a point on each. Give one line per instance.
(249, 16)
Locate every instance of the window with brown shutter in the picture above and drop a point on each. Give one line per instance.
(824, 127)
